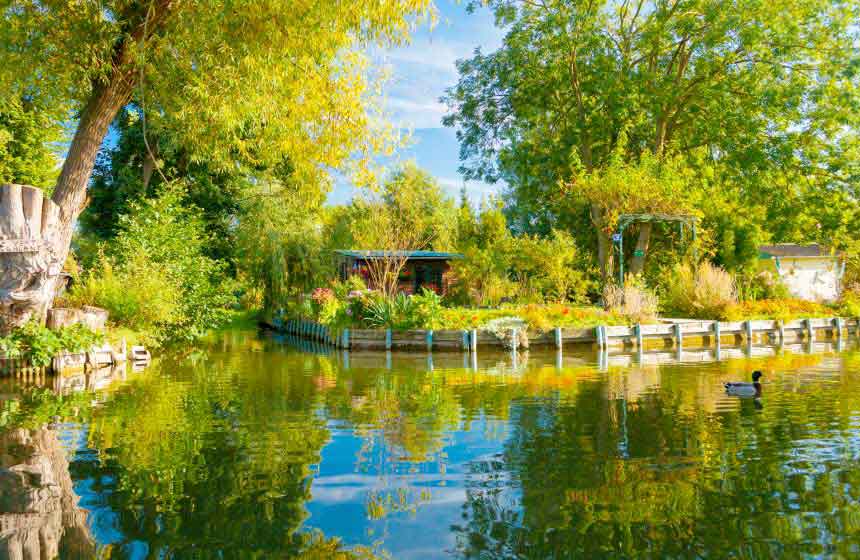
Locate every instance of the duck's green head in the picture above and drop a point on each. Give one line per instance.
(756, 375)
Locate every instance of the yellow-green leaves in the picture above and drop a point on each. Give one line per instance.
(240, 80)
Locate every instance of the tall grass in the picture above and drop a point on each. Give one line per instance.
(633, 300)
(700, 292)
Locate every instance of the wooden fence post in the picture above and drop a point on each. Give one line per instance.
(388, 339)
(473, 341)
(748, 330)
(557, 332)
(346, 338)
(639, 338)
(430, 341)
(679, 336)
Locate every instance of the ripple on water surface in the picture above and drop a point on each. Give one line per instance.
(256, 449)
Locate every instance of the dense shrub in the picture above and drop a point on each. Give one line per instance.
(38, 344)
(548, 269)
(849, 302)
(156, 276)
(137, 294)
(702, 292)
(761, 285)
(783, 309)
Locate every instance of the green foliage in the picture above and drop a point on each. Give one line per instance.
(550, 268)
(155, 275)
(38, 345)
(415, 197)
(28, 138)
(137, 293)
(207, 71)
(394, 313)
(125, 174)
(426, 311)
(648, 186)
(281, 242)
(753, 98)
(755, 285)
(499, 266)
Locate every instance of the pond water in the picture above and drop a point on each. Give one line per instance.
(252, 448)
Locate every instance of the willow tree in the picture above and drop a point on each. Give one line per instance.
(260, 80)
(754, 85)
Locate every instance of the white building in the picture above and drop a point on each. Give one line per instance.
(810, 272)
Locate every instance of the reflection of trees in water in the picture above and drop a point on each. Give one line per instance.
(654, 478)
(215, 460)
(39, 516)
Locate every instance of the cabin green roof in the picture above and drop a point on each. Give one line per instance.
(424, 255)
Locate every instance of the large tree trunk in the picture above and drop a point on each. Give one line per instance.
(36, 233)
(29, 264)
(637, 262)
(71, 190)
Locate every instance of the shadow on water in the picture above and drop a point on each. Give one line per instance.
(274, 448)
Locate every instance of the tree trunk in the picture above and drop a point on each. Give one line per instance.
(36, 232)
(604, 244)
(70, 193)
(29, 265)
(637, 262)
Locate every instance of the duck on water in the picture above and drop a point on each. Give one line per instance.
(743, 389)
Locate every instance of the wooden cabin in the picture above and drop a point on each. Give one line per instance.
(423, 269)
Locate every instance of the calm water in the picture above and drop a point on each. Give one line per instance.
(254, 449)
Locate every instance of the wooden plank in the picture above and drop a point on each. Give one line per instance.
(797, 324)
(580, 334)
(731, 327)
(697, 327)
(821, 323)
(764, 325)
(666, 330)
(615, 332)
(541, 339)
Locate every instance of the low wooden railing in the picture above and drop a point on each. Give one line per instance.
(671, 333)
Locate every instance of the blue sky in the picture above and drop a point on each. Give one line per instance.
(419, 74)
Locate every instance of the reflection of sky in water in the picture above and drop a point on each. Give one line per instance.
(434, 490)
(414, 462)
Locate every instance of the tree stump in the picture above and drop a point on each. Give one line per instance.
(30, 263)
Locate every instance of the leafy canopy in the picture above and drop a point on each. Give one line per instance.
(253, 80)
(760, 99)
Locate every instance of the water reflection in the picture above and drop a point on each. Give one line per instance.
(39, 513)
(255, 449)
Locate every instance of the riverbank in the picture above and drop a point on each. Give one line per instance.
(668, 332)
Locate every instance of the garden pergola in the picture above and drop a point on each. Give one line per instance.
(624, 220)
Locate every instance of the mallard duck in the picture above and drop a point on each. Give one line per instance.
(742, 389)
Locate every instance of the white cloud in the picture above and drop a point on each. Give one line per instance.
(418, 112)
